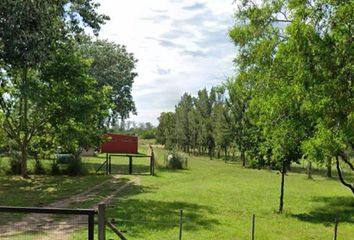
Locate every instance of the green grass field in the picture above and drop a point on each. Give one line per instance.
(217, 199)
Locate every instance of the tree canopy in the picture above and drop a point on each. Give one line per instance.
(112, 65)
(51, 93)
(292, 97)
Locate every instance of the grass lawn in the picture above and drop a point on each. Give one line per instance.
(41, 190)
(219, 199)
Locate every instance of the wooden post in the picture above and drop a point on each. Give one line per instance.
(152, 162)
(335, 230)
(180, 224)
(101, 221)
(152, 165)
(253, 226)
(130, 164)
(110, 164)
(91, 226)
(106, 163)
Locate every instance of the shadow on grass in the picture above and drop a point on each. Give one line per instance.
(170, 170)
(139, 216)
(119, 168)
(25, 235)
(315, 171)
(41, 190)
(340, 208)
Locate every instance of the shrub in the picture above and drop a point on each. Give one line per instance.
(176, 160)
(75, 166)
(55, 170)
(2, 165)
(38, 168)
(15, 163)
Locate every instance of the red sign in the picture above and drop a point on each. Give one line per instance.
(117, 143)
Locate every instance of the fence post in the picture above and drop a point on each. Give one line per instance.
(152, 165)
(91, 226)
(253, 225)
(180, 224)
(101, 221)
(110, 164)
(335, 230)
(152, 161)
(107, 164)
(130, 165)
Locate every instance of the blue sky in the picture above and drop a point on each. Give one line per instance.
(182, 46)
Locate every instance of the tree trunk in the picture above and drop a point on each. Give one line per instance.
(340, 175)
(24, 124)
(225, 149)
(288, 166)
(243, 158)
(329, 167)
(281, 202)
(24, 161)
(309, 170)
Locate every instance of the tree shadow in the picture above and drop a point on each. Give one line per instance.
(340, 208)
(170, 170)
(119, 168)
(144, 215)
(322, 172)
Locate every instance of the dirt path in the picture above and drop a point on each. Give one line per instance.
(60, 229)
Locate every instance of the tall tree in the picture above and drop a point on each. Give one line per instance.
(31, 32)
(221, 127)
(283, 45)
(204, 105)
(113, 66)
(166, 130)
(259, 37)
(237, 103)
(184, 131)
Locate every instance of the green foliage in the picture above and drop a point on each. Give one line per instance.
(112, 66)
(38, 168)
(142, 130)
(41, 73)
(55, 169)
(176, 160)
(75, 166)
(166, 130)
(294, 63)
(15, 163)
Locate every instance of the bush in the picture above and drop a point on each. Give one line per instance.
(38, 168)
(176, 160)
(75, 166)
(55, 170)
(15, 163)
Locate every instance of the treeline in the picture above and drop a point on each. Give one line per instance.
(292, 98)
(142, 130)
(213, 123)
(198, 124)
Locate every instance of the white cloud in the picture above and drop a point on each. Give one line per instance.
(182, 46)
